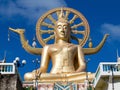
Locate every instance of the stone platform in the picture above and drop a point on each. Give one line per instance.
(10, 82)
(57, 86)
(75, 81)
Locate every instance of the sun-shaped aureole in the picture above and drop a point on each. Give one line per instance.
(46, 25)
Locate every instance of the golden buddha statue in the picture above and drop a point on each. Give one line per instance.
(68, 63)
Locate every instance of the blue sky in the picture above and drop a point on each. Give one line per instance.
(103, 17)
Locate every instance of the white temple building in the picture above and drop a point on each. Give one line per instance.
(107, 76)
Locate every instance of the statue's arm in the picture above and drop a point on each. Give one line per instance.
(45, 60)
(88, 51)
(81, 60)
(24, 42)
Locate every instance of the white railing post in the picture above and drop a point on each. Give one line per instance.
(14, 68)
(7, 68)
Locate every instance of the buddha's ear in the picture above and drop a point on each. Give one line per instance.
(55, 32)
(55, 35)
(70, 30)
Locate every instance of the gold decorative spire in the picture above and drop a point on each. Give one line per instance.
(61, 17)
(90, 43)
(61, 14)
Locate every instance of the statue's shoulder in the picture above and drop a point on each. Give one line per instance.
(48, 46)
(76, 46)
(79, 47)
(73, 45)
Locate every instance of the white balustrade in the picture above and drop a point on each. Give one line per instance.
(7, 68)
(104, 69)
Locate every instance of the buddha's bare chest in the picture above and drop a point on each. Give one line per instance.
(66, 51)
(63, 57)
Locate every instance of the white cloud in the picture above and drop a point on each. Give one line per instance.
(113, 30)
(30, 9)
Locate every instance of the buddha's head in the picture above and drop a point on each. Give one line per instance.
(62, 28)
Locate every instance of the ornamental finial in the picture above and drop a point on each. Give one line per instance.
(61, 17)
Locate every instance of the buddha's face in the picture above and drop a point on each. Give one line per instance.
(62, 30)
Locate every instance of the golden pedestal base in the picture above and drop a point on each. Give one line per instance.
(72, 77)
(69, 77)
(74, 81)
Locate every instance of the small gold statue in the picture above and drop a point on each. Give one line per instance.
(68, 63)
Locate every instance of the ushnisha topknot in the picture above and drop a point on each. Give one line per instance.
(61, 17)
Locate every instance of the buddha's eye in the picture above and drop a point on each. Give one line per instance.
(59, 27)
(65, 27)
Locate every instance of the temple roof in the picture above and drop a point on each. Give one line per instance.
(3, 61)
